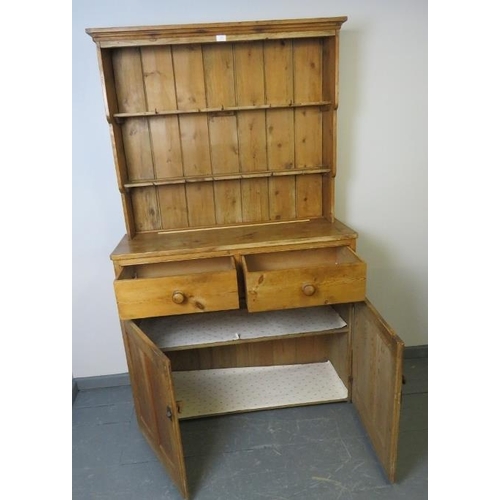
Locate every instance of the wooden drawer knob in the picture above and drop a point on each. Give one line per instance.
(308, 289)
(178, 297)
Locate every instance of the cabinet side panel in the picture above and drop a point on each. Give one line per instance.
(330, 93)
(338, 354)
(105, 61)
(111, 107)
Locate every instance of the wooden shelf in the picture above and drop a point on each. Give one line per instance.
(239, 326)
(227, 177)
(179, 245)
(231, 390)
(182, 117)
(229, 110)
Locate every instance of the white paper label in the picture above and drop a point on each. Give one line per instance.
(220, 38)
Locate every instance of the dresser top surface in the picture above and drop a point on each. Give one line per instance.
(232, 239)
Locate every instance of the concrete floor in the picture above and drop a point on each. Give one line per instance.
(316, 452)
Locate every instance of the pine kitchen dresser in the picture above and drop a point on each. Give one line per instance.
(236, 286)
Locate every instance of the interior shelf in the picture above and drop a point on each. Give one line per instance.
(237, 326)
(227, 177)
(229, 390)
(222, 110)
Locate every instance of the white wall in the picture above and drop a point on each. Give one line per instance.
(382, 156)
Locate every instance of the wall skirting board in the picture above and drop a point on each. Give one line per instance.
(415, 351)
(75, 389)
(102, 381)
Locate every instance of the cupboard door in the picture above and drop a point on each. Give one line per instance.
(154, 399)
(377, 370)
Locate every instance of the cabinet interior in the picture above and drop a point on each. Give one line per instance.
(238, 361)
(186, 267)
(298, 259)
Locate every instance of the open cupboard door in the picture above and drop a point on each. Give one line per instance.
(154, 398)
(377, 369)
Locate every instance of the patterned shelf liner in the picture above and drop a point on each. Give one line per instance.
(191, 330)
(228, 390)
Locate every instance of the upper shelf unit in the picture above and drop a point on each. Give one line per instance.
(222, 124)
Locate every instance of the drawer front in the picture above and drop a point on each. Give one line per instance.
(177, 288)
(286, 280)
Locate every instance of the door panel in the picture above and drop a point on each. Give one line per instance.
(154, 398)
(377, 370)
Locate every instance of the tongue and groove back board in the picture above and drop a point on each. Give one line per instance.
(228, 125)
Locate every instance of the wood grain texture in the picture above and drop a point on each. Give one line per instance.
(250, 90)
(190, 89)
(172, 102)
(278, 70)
(108, 84)
(127, 66)
(338, 349)
(223, 110)
(159, 78)
(226, 177)
(233, 239)
(297, 350)
(344, 365)
(159, 84)
(160, 93)
(173, 204)
(146, 209)
(278, 281)
(105, 61)
(330, 92)
(308, 83)
(220, 92)
(308, 202)
(151, 380)
(199, 291)
(377, 368)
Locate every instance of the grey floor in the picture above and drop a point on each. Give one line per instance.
(316, 452)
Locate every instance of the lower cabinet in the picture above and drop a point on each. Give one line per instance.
(192, 365)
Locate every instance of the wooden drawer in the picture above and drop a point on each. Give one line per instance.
(303, 278)
(185, 287)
